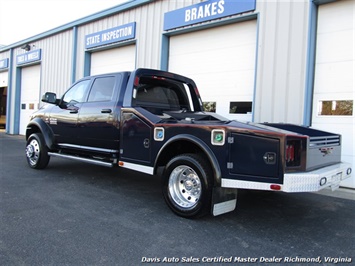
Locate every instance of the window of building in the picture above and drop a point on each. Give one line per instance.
(240, 107)
(336, 107)
(209, 106)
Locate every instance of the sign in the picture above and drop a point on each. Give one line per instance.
(205, 11)
(35, 55)
(117, 34)
(4, 63)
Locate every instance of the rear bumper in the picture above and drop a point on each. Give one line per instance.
(316, 180)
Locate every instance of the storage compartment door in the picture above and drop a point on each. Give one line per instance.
(254, 156)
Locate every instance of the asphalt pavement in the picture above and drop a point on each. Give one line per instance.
(73, 213)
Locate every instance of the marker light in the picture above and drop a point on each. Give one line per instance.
(275, 187)
(217, 137)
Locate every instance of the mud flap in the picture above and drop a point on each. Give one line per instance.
(223, 200)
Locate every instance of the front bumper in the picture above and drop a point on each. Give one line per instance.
(316, 180)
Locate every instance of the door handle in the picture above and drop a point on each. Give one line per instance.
(106, 111)
(73, 111)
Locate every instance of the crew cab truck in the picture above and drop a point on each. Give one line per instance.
(153, 122)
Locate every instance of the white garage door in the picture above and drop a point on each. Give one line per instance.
(30, 89)
(113, 60)
(334, 89)
(221, 60)
(4, 79)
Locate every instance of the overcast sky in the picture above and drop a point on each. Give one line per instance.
(21, 19)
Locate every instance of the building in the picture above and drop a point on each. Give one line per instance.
(254, 60)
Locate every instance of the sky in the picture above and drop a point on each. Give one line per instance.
(21, 19)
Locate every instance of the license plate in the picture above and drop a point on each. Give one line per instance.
(336, 181)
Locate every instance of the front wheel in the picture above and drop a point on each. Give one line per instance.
(37, 152)
(187, 185)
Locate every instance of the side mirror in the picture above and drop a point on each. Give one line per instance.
(49, 97)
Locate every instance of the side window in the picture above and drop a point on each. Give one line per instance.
(102, 89)
(77, 93)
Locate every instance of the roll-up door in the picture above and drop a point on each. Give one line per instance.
(221, 60)
(334, 89)
(3, 92)
(113, 60)
(30, 89)
(4, 79)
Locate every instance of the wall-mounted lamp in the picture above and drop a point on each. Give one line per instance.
(26, 47)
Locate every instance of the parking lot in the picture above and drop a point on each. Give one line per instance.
(73, 213)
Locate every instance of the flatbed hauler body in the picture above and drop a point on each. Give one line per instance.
(153, 122)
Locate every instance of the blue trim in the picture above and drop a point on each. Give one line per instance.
(87, 64)
(75, 52)
(105, 13)
(17, 104)
(164, 60)
(310, 65)
(9, 92)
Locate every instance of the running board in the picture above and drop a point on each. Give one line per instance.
(85, 160)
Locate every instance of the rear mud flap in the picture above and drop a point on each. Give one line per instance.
(223, 200)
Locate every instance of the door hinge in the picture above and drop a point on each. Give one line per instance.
(229, 165)
(230, 140)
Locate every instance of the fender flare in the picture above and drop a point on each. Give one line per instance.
(203, 146)
(46, 131)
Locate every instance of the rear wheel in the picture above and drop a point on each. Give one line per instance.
(187, 185)
(37, 152)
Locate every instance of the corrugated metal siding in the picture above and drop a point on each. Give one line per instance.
(281, 66)
(149, 19)
(56, 61)
(5, 54)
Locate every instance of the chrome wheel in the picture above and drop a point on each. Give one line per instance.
(185, 186)
(33, 152)
(37, 152)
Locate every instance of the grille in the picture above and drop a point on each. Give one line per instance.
(324, 141)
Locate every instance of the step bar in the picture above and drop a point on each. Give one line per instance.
(85, 160)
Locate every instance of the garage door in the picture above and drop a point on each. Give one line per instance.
(221, 60)
(113, 60)
(30, 89)
(4, 79)
(334, 89)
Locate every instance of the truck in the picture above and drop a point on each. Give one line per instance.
(153, 121)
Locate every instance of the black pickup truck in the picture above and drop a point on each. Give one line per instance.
(153, 121)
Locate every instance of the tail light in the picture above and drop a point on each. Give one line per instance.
(293, 153)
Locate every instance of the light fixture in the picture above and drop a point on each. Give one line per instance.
(26, 47)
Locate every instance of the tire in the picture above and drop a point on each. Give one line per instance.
(37, 152)
(187, 185)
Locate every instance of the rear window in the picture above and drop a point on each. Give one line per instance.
(158, 95)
